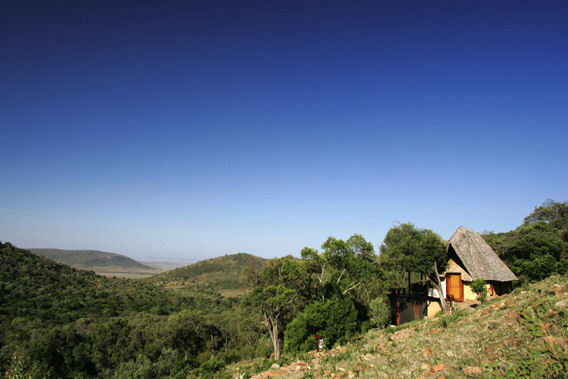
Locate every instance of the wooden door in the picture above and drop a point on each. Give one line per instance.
(454, 287)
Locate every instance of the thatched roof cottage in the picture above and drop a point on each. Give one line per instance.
(470, 257)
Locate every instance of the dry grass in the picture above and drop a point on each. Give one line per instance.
(521, 334)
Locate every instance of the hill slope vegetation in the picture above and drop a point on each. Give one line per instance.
(57, 321)
(99, 261)
(222, 274)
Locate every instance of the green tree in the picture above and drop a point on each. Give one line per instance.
(333, 319)
(277, 304)
(410, 249)
(536, 251)
(550, 212)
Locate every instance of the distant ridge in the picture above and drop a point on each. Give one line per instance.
(92, 260)
(222, 274)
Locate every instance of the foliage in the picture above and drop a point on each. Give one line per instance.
(551, 212)
(380, 312)
(333, 319)
(344, 270)
(414, 249)
(539, 247)
(479, 287)
(59, 321)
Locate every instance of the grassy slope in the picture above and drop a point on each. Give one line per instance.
(521, 334)
(221, 274)
(99, 261)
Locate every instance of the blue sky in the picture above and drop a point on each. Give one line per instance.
(186, 130)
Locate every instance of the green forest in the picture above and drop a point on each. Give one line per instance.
(57, 321)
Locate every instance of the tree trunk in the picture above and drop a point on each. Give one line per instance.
(275, 342)
(438, 286)
(272, 327)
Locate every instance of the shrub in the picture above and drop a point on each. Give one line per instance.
(333, 319)
(479, 287)
(380, 312)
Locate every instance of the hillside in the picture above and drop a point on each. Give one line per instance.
(57, 321)
(101, 262)
(221, 274)
(523, 334)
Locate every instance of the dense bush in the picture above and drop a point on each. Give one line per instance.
(333, 319)
(380, 312)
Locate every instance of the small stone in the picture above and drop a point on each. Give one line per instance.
(562, 304)
(326, 372)
(341, 369)
(472, 371)
(438, 367)
(425, 366)
(427, 352)
(433, 330)
(275, 366)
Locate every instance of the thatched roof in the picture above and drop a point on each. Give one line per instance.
(478, 257)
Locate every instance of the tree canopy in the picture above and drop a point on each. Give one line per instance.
(409, 248)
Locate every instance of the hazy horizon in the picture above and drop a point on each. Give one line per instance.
(189, 130)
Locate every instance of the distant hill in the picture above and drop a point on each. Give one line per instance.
(221, 274)
(99, 261)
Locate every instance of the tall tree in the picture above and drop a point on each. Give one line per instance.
(276, 304)
(410, 249)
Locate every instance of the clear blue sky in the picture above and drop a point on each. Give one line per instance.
(185, 130)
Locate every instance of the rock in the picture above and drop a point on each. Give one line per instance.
(562, 304)
(275, 366)
(499, 305)
(326, 372)
(450, 354)
(472, 371)
(433, 330)
(405, 333)
(427, 352)
(438, 367)
(425, 366)
(341, 369)
(275, 373)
